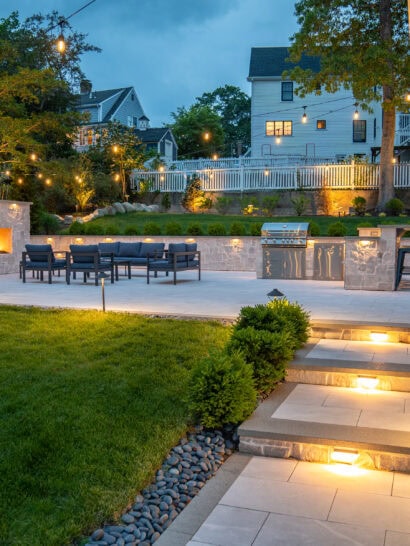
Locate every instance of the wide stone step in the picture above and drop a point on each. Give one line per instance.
(316, 422)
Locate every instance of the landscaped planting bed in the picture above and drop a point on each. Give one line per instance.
(91, 403)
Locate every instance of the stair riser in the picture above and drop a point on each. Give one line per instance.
(319, 453)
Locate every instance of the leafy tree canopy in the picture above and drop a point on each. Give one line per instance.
(198, 131)
(234, 109)
(363, 46)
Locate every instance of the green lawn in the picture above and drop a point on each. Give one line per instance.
(90, 404)
(138, 220)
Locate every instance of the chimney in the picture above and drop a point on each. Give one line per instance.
(85, 87)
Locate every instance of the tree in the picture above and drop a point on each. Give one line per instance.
(36, 95)
(233, 106)
(363, 46)
(126, 153)
(198, 132)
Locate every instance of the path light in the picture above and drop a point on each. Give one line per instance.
(102, 276)
(275, 294)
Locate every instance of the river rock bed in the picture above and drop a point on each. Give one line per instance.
(187, 468)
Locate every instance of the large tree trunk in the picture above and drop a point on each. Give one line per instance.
(386, 187)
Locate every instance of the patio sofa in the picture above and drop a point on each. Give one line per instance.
(40, 259)
(178, 257)
(131, 254)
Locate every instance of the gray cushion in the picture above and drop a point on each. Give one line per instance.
(109, 248)
(39, 257)
(129, 250)
(77, 250)
(176, 247)
(191, 247)
(152, 250)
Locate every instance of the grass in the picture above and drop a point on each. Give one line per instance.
(90, 404)
(138, 220)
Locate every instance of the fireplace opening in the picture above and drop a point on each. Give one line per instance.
(6, 238)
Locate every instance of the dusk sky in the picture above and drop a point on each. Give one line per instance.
(170, 51)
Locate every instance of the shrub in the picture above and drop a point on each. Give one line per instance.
(300, 204)
(94, 229)
(337, 230)
(359, 205)
(267, 336)
(48, 223)
(314, 229)
(216, 229)
(76, 228)
(249, 205)
(267, 352)
(364, 224)
(194, 229)
(194, 197)
(256, 229)
(221, 390)
(394, 207)
(112, 229)
(131, 230)
(222, 204)
(151, 228)
(165, 202)
(173, 228)
(269, 204)
(237, 229)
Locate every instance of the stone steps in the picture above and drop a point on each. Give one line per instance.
(319, 411)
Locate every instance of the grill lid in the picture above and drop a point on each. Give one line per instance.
(285, 234)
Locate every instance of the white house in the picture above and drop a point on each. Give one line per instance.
(318, 126)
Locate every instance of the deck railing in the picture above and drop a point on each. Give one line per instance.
(240, 179)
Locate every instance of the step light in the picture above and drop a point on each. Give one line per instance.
(367, 382)
(345, 456)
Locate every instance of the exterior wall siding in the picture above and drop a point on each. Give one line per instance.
(128, 108)
(336, 109)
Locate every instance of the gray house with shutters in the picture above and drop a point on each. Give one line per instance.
(120, 105)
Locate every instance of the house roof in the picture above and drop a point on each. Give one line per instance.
(152, 134)
(270, 62)
(97, 97)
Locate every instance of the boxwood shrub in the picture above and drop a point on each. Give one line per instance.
(151, 228)
(221, 390)
(216, 229)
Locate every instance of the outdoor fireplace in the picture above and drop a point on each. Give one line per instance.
(14, 233)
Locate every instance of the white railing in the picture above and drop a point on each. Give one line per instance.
(353, 176)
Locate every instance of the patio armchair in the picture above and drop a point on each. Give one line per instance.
(87, 259)
(178, 257)
(41, 258)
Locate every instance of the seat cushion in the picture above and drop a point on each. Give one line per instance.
(129, 250)
(39, 248)
(152, 250)
(78, 250)
(109, 248)
(176, 247)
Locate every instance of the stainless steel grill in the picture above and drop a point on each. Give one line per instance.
(293, 234)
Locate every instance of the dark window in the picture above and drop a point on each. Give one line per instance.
(321, 124)
(374, 128)
(287, 91)
(278, 128)
(359, 130)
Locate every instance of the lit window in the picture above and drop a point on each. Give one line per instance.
(359, 130)
(287, 91)
(90, 134)
(321, 124)
(278, 128)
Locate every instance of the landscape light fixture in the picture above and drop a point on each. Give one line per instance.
(304, 117)
(275, 294)
(345, 456)
(102, 276)
(367, 382)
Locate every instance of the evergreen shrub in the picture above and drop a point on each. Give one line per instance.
(221, 390)
(76, 228)
(216, 229)
(94, 229)
(394, 207)
(173, 228)
(337, 230)
(237, 229)
(151, 228)
(131, 230)
(195, 229)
